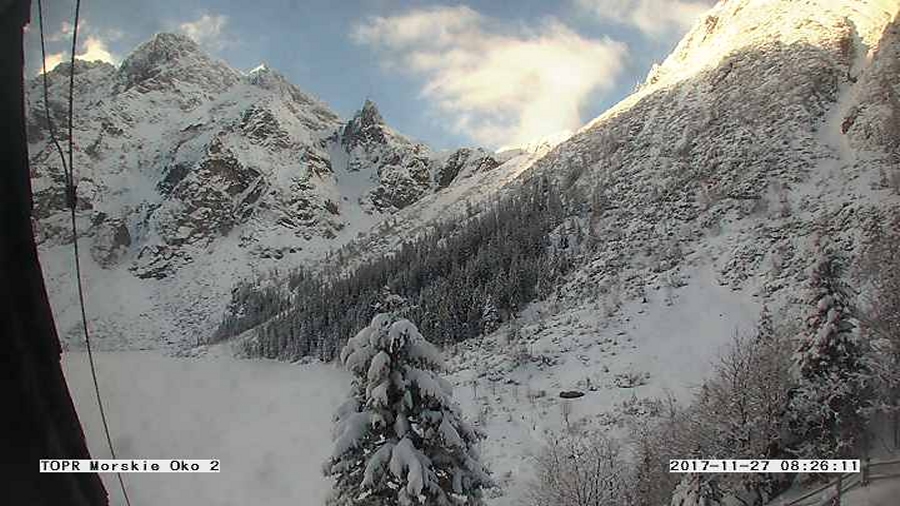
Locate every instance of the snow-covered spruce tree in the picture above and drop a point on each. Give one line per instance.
(400, 439)
(490, 316)
(828, 408)
(765, 327)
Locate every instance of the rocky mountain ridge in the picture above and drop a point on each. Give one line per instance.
(178, 154)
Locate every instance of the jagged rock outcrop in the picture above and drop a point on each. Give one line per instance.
(405, 170)
(402, 169)
(463, 163)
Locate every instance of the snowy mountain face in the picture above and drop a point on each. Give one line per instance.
(405, 170)
(751, 138)
(192, 174)
(741, 146)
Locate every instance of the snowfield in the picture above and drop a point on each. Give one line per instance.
(268, 422)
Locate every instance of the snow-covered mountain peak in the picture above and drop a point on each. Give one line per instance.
(81, 67)
(262, 67)
(169, 45)
(733, 25)
(318, 115)
(168, 60)
(266, 77)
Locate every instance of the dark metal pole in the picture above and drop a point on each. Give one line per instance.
(39, 419)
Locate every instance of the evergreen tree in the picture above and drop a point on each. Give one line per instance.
(765, 328)
(490, 317)
(400, 440)
(827, 410)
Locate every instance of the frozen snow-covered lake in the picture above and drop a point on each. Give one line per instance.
(268, 422)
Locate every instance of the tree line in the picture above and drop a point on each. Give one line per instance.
(457, 281)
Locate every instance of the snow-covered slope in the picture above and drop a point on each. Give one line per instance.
(736, 147)
(192, 175)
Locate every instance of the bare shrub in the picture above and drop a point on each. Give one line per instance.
(579, 468)
(740, 408)
(880, 318)
(737, 414)
(653, 444)
(880, 268)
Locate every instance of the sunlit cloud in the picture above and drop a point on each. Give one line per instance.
(652, 17)
(94, 49)
(52, 60)
(207, 30)
(93, 44)
(496, 85)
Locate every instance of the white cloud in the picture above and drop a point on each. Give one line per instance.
(498, 88)
(93, 49)
(207, 30)
(652, 17)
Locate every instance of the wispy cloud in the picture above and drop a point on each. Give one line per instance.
(207, 30)
(64, 32)
(497, 84)
(652, 17)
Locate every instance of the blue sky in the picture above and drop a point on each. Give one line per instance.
(491, 73)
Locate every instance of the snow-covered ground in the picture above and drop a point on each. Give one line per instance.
(668, 344)
(268, 422)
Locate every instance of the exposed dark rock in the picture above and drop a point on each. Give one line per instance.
(111, 240)
(367, 127)
(157, 261)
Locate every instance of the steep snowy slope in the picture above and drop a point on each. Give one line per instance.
(754, 140)
(732, 141)
(750, 138)
(192, 175)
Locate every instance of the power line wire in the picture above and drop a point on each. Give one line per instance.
(71, 202)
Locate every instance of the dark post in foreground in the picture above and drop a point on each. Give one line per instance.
(39, 419)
